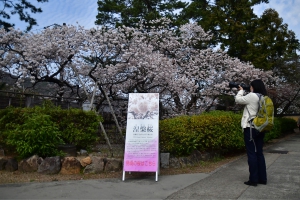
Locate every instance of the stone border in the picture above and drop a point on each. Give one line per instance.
(93, 163)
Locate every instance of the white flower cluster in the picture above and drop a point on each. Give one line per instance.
(127, 60)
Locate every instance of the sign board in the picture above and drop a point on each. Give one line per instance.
(142, 140)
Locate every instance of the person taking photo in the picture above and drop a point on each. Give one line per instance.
(253, 139)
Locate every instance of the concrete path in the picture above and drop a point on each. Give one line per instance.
(141, 188)
(283, 171)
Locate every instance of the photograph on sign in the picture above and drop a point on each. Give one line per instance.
(141, 143)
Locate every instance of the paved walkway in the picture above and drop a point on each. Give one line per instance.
(283, 168)
(283, 171)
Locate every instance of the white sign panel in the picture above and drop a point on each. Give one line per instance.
(142, 139)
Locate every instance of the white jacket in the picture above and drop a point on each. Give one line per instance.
(251, 102)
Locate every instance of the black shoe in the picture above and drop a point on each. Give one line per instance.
(262, 182)
(250, 183)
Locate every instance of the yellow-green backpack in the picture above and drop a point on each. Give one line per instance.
(264, 120)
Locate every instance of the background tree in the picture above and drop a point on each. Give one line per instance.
(274, 47)
(124, 60)
(41, 58)
(272, 44)
(230, 21)
(115, 13)
(18, 7)
(264, 41)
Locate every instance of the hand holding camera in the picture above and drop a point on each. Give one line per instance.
(238, 85)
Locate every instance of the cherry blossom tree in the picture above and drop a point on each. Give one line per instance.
(41, 57)
(286, 98)
(125, 60)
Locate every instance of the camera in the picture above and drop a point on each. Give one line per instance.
(236, 85)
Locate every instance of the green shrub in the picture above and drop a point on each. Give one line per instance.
(77, 127)
(214, 131)
(174, 138)
(218, 131)
(37, 135)
(287, 125)
(281, 127)
(39, 130)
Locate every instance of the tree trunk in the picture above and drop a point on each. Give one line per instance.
(91, 101)
(113, 114)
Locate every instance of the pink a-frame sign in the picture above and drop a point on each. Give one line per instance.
(142, 140)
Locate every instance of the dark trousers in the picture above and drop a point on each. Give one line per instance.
(256, 160)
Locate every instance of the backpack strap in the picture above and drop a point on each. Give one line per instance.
(259, 104)
(250, 120)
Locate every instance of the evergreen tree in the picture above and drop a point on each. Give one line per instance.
(272, 44)
(115, 13)
(18, 7)
(265, 41)
(231, 22)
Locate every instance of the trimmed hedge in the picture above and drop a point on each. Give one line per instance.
(281, 127)
(39, 130)
(218, 131)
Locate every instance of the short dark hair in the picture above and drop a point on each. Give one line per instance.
(259, 87)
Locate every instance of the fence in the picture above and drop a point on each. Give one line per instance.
(8, 98)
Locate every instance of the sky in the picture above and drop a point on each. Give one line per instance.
(83, 12)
